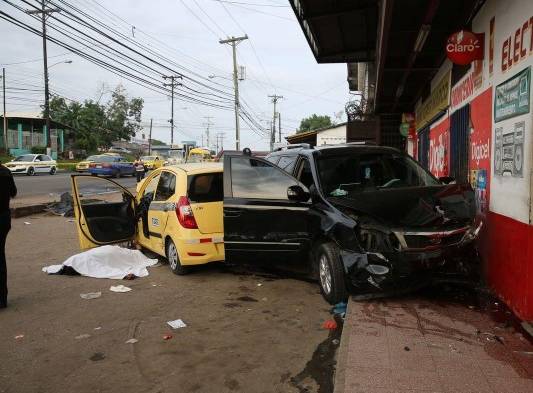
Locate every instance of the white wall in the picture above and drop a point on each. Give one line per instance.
(332, 136)
(509, 196)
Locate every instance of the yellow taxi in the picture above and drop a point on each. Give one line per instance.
(152, 162)
(177, 213)
(199, 154)
(83, 166)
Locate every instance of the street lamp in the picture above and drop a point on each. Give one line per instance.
(47, 101)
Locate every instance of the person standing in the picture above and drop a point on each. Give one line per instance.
(8, 190)
(139, 169)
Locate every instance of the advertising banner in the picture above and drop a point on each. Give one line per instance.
(439, 147)
(436, 102)
(480, 148)
(512, 96)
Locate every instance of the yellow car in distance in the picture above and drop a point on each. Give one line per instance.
(83, 166)
(177, 213)
(199, 154)
(152, 162)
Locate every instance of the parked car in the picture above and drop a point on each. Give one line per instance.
(30, 164)
(108, 165)
(152, 162)
(177, 213)
(366, 219)
(83, 166)
(121, 150)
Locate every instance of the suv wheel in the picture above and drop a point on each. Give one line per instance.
(174, 260)
(330, 273)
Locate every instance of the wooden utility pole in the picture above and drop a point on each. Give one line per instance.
(172, 86)
(5, 116)
(234, 41)
(279, 126)
(275, 99)
(208, 124)
(150, 139)
(44, 13)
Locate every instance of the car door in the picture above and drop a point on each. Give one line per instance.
(104, 211)
(262, 222)
(160, 208)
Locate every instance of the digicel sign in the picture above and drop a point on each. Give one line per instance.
(463, 47)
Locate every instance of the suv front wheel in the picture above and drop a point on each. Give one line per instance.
(330, 273)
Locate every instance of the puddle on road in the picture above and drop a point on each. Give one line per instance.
(318, 374)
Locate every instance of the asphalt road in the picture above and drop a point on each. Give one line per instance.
(45, 184)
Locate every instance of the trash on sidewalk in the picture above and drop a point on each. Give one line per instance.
(119, 288)
(167, 336)
(62, 208)
(406, 348)
(111, 262)
(27, 223)
(330, 324)
(82, 336)
(176, 324)
(97, 356)
(90, 295)
(132, 341)
(259, 284)
(98, 328)
(19, 336)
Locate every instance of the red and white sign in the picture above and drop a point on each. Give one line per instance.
(463, 47)
(439, 146)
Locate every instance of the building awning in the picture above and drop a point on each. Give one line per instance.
(404, 40)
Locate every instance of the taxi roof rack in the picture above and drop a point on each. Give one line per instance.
(294, 146)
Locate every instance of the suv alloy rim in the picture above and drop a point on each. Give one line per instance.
(325, 274)
(172, 255)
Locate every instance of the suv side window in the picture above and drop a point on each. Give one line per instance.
(166, 186)
(251, 178)
(304, 173)
(287, 163)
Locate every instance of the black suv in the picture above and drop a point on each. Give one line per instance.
(369, 220)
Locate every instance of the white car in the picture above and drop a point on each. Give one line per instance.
(30, 164)
(116, 149)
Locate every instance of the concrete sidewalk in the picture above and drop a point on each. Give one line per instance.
(428, 345)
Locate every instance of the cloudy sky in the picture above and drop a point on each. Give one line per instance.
(181, 36)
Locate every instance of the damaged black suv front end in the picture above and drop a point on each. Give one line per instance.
(401, 229)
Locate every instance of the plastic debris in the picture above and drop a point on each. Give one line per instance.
(19, 336)
(259, 285)
(132, 341)
(330, 324)
(27, 223)
(177, 324)
(98, 328)
(90, 295)
(119, 288)
(167, 336)
(82, 336)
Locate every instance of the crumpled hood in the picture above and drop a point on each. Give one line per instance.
(433, 206)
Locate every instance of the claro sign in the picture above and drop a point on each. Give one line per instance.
(463, 47)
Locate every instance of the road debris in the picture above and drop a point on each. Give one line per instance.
(82, 336)
(176, 324)
(119, 288)
(132, 341)
(406, 348)
(259, 284)
(167, 336)
(97, 356)
(98, 328)
(90, 295)
(19, 336)
(330, 324)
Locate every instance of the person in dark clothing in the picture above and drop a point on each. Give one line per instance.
(8, 190)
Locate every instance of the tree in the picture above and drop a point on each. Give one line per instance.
(157, 142)
(314, 122)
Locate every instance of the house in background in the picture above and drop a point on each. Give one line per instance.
(27, 130)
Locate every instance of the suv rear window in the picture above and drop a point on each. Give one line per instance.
(207, 187)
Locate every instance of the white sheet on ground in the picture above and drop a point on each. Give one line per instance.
(107, 262)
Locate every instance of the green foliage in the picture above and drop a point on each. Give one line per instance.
(38, 150)
(99, 125)
(157, 142)
(67, 166)
(314, 122)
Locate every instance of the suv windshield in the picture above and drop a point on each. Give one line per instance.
(354, 173)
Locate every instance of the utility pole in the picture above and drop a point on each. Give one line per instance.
(5, 118)
(279, 126)
(220, 141)
(275, 99)
(208, 124)
(234, 41)
(150, 139)
(44, 12)
(173, 84)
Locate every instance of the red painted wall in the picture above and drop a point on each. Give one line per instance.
(510, 263)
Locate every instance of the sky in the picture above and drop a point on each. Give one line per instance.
(185, 33)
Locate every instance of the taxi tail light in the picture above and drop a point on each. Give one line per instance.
(185, 214)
